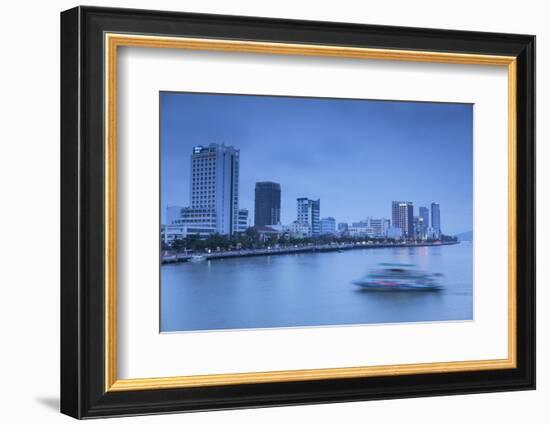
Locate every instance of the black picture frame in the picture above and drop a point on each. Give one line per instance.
(83, 392)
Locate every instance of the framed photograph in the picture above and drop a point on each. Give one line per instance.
(261, 212)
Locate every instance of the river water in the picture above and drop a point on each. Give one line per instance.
(311, 289)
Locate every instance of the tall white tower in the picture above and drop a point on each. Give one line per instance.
(214, 190)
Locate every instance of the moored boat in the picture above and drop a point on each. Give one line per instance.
(169, 257)
(197, 258)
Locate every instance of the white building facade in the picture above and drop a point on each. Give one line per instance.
(309, 212)
(297, 230)
(328, 226)
(370, 227)
(172, 232)
(214, 191)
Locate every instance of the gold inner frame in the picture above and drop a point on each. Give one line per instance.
(113, 41)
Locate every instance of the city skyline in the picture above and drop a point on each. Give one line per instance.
(320, 174)
(403, 223)
(396, 219)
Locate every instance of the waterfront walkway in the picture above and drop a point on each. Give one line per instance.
(182, 257)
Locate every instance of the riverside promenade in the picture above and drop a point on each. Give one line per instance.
(171, 257)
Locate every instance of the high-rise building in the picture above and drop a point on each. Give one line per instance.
(214, 191)
(267, 204)
(424, 214)
(328, 226)
(417, 227)
(436, 219)
(420, 230)
(395, 213)
(242, 220)
(309, 212)
(402, 218)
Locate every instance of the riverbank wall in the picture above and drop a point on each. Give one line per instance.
(216, 255)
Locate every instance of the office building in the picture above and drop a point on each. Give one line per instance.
(308, 212)
(420, 230)
(328, 226)
(214, 191)
(436, 220)
(267, 204)
(379, 226)
(360, 229)
(424, 215)
(370, 227)
(417, 227)
(402, 217)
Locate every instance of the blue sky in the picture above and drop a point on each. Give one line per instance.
(355, 155)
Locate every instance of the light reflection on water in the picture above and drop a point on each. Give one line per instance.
(312, 289)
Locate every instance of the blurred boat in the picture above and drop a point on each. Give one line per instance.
(399, 277)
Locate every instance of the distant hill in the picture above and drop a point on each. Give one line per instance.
(465, 236)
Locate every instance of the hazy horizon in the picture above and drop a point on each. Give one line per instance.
(356, 156)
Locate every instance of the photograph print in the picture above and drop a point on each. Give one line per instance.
(281, 212)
